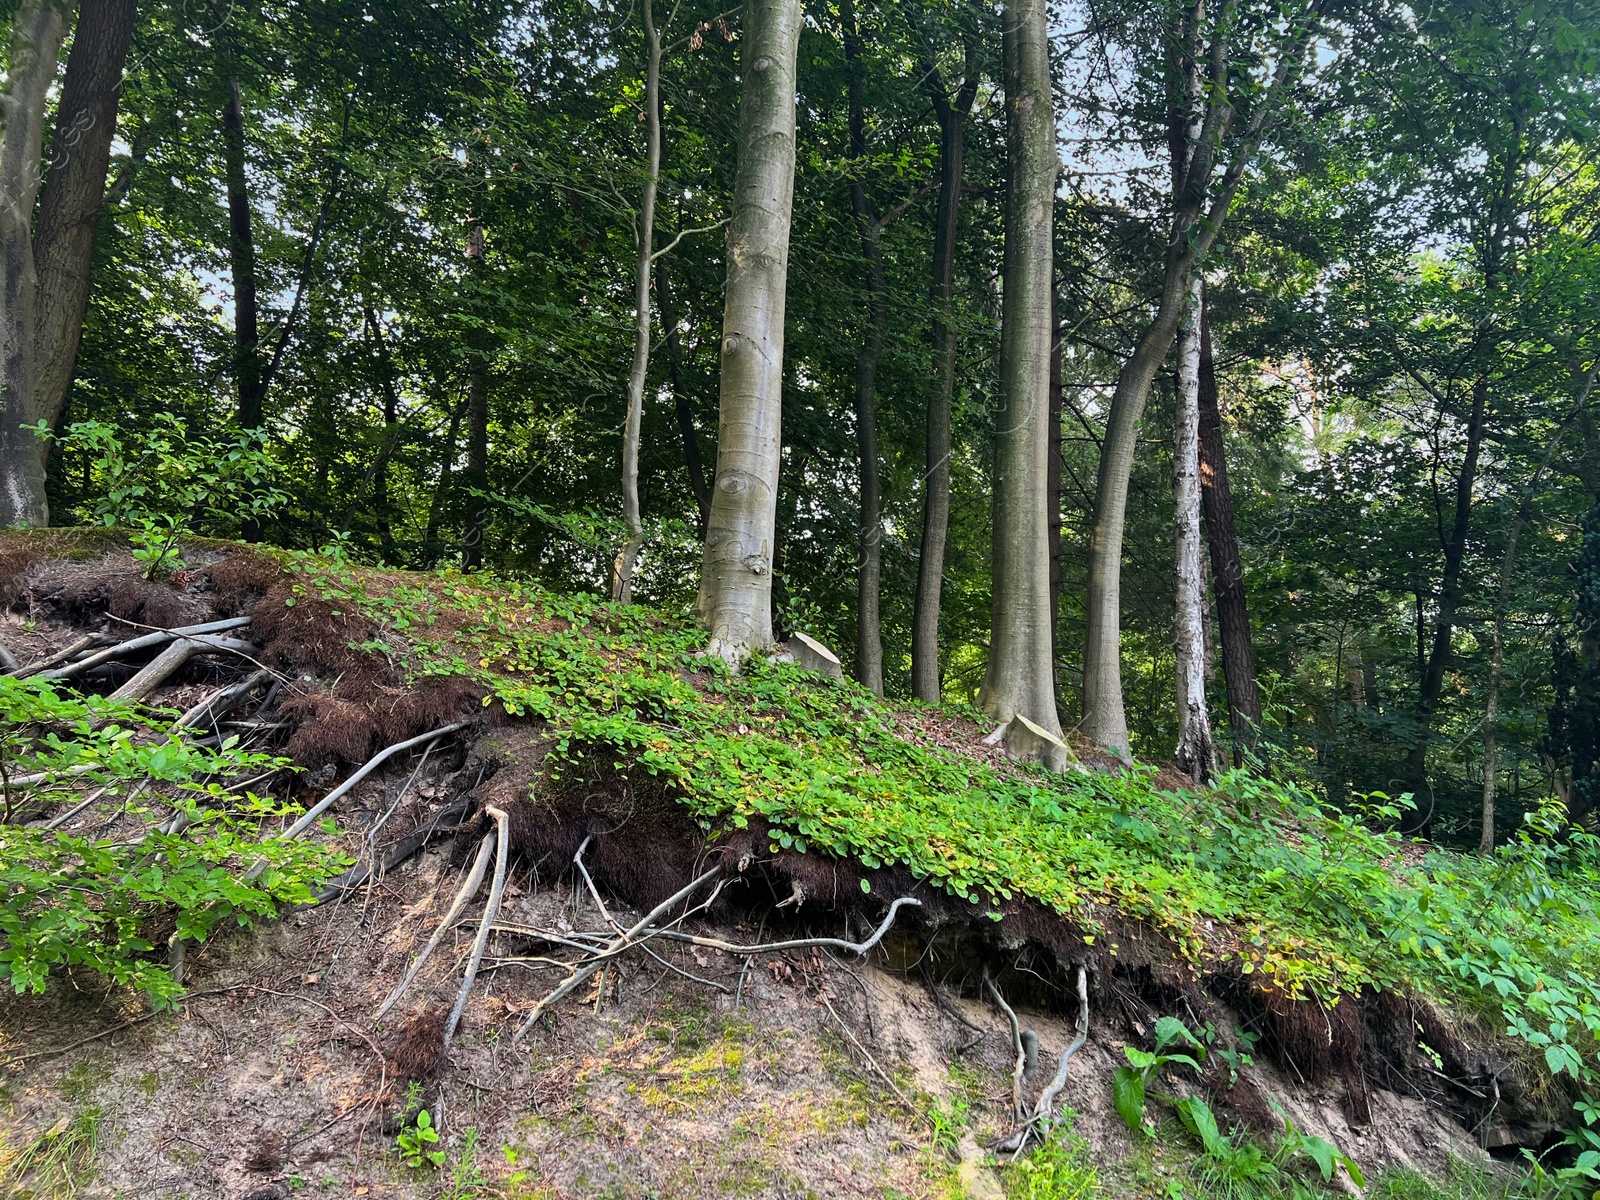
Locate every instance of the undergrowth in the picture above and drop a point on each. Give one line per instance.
(1253, 875)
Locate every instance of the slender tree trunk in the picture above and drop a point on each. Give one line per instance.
(622, 571)
(441, 487)
(683, 404)
(477, 431)
(74, 192)
(381, 503)
(1052, 476)
(1020, 680)
(1199, 212)
(736, 573)
(1438, 659)
(1196, 755)
(869, 556)
(37, 30)
(242, 259)
(1227, 569)
(926, 682)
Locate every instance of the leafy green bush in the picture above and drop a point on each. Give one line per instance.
(167, 483)
(90, 900)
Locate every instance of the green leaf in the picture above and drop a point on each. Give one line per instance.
(1127, 1093)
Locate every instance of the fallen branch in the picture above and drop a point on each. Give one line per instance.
(166, 664)
(222, 702)
(371, 765)
(490, 911)
(144, 642)
(60, 656)
(468, 889)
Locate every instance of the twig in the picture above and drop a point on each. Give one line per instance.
(371, 765)
(467, 890)
(490, 911)
(402, 850)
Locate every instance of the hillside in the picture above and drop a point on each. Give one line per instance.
(1404, 1003)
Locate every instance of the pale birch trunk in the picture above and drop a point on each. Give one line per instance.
(622, 572)
(1196, 754)
(736, 572)
(1021, 673)
(37, 30)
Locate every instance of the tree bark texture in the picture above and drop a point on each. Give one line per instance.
(1053, 465)
(74, 193)
(1196, 755)
(1227, 569)
(241, 260)
(869, 553)
(1021, 673)
(477, 431)
(926, 681)
(1199, 212)
(37, 30)
(736, 571)
(622, 572)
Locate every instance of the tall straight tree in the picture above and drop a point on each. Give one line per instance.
(1227, 568)
(952, 113)
(1020, 680)
(1200, 206)
(45, 265)
(735, 600)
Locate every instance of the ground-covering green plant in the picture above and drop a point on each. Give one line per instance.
(1253, 875)
(167, 482)
(89, 899)
(1058, 1170)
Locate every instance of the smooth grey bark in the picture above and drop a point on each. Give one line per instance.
(869, 552)
(1196, 754)
(37, 30)
(952, 114)
(74, 193)
(644, 259)
(736, 571)
(1020, 679)
(1199, 213)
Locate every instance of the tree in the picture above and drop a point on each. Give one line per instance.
(45, 267)
(1020, 679)
(1200, 206)
(736, 571)
(952, 113)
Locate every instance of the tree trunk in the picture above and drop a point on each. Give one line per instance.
(1196, 755)
(1438, 660)
(736, 572)
(1199, 212)
(869, 556)
(926, 682)
(1052, 476)
(74, 191)
(682, 403)
(645, 233)
(441, 487)
(1021, 674)
(381, 504)
(36, 33)
(242, 259)
(477, 432)
(1227, 569)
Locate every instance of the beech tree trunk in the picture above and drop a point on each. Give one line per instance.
(74, 193)
(1054, 462)
(1199, 213)
(644, 259)
(1021, 673)
(37, 30)
(736, 571)
(1227, 569)
(869, 556)
(926, 681)
(1196, 755)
